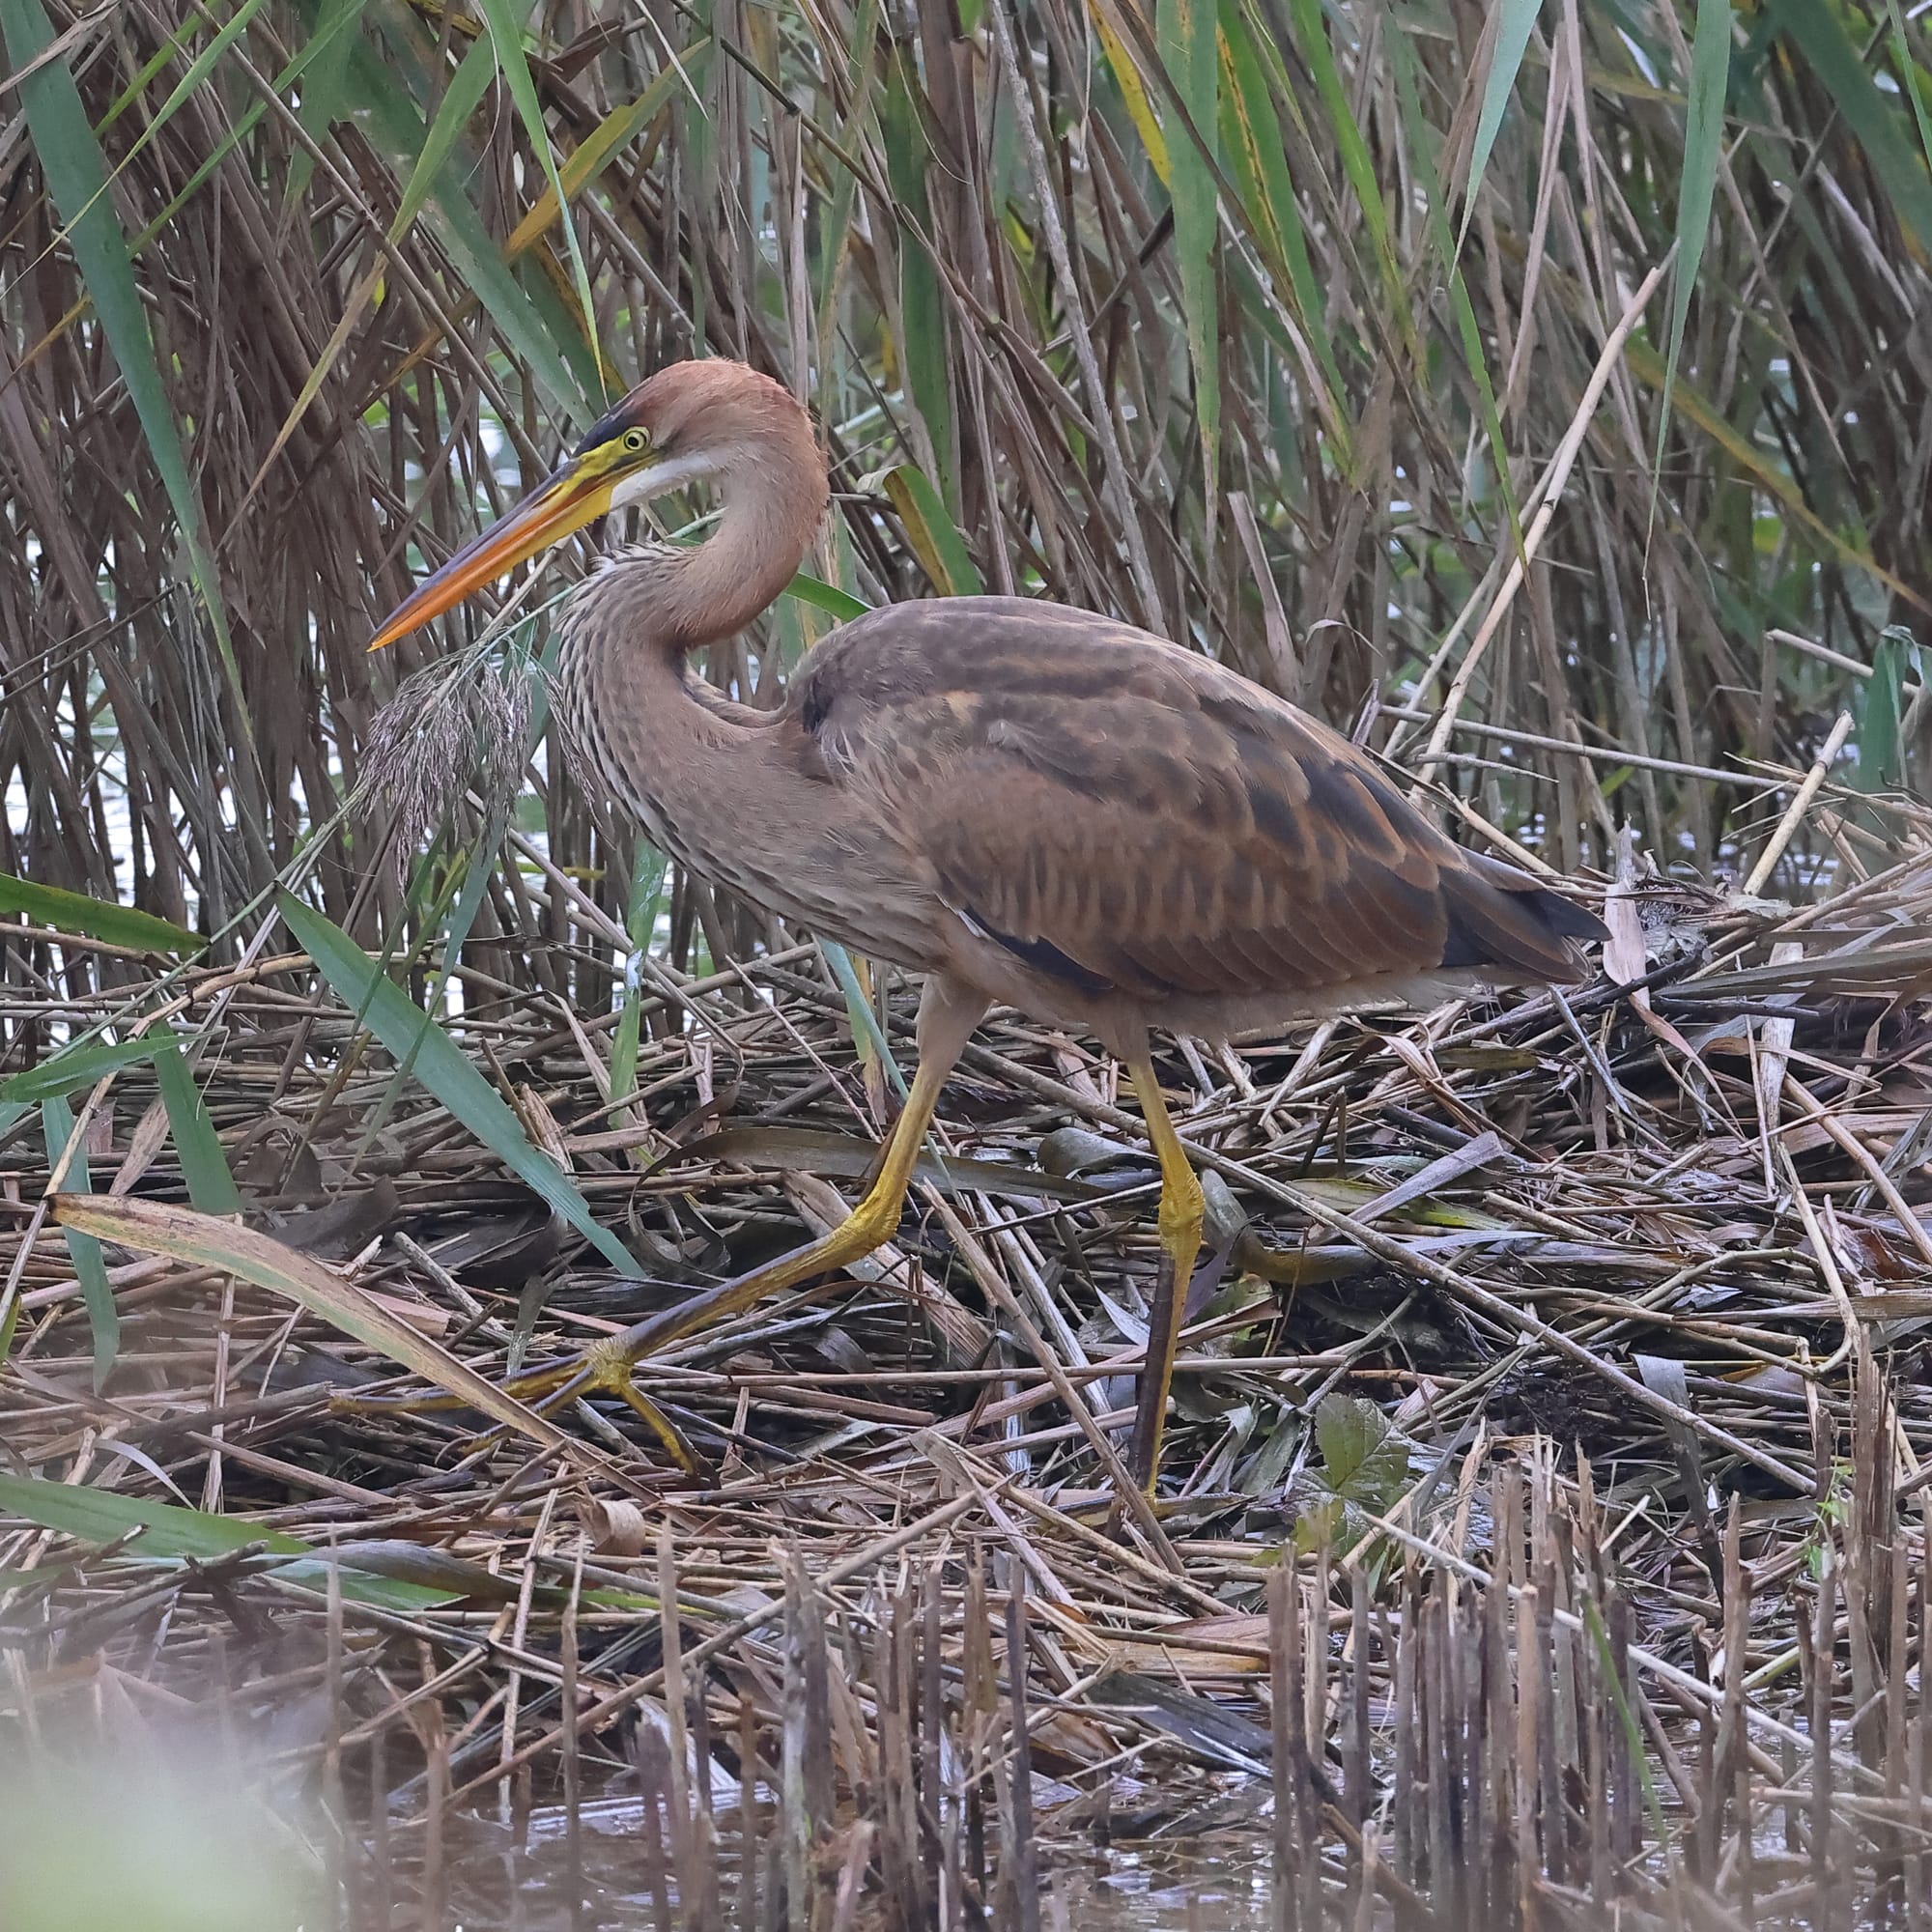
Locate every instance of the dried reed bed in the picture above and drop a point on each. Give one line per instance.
(1543, 1527)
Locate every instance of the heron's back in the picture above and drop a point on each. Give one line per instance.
(1118, 829)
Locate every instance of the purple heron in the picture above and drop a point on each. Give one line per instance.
(1028, 804)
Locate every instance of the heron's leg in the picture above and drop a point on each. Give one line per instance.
(947, 1018)
(1180, 1211)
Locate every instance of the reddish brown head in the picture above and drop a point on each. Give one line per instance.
(706, 413)
(690, 422)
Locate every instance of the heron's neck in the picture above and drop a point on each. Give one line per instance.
(627, 695)
(773, 495)
(667, 744)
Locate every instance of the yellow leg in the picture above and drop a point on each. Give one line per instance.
(946, 1022)
(546, 1390)
(1180, 1211)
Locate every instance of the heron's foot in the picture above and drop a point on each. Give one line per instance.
(608, 1367)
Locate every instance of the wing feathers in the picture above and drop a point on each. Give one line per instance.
(1122, 816)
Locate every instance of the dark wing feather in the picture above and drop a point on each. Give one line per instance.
(1123, 815)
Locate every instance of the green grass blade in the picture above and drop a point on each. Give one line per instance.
(75, 1067)
(533, 327)
(97, 1293)
(77, 177)
(414, 1038)
(1773, 477)
(1252, 139)
(506, 37)
(835, 223)
(1186, 34)
(200, 65)
(1880, 706)
(1358, 164)
(244, 123)
(648, 867)
(866, 1028)
(325, 92)
(172, 47)
(934, 537)
(611, 136)
(425, 900)
(1821, 44)
(1401, 58)
(1634, 1737)
(1696, 186)
(98, 919)
(1133, 92)
(160, 1228)
(210, 1186)
(1514, 18)
(467, 87)
(928, 380)
(826, 597)
(1911, 80)
(167, 1533)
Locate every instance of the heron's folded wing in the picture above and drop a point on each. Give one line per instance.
(1127, 817)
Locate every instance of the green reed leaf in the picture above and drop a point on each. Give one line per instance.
(96, 1292)
(413, 1038)
(183, 1234)
(168, 1533)
(1311, 37)
(1821, 44)
(98, 919)
(934, 537)
(1251, 139)
(1515, 19)
(1703, 145)
(211, 1185)
(1186, 31)
(77, 1066)
(76, 173)
(921, 302)
(324, 91)
(506, 38)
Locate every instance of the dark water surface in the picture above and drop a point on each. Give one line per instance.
(1214, 1883)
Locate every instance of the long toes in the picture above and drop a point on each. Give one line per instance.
(669, 1439)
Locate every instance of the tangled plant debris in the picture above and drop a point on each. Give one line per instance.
(1543, 1483)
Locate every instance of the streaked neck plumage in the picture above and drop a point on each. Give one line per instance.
(625, 695)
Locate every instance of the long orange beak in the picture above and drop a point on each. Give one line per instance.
(576, 493)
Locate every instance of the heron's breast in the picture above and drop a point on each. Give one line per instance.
(725, 804)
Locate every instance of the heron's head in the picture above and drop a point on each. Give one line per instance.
(689, 423)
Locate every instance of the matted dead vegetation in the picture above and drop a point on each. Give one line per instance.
(1545, 1476)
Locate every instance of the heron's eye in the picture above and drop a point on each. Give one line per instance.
(634, 442)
